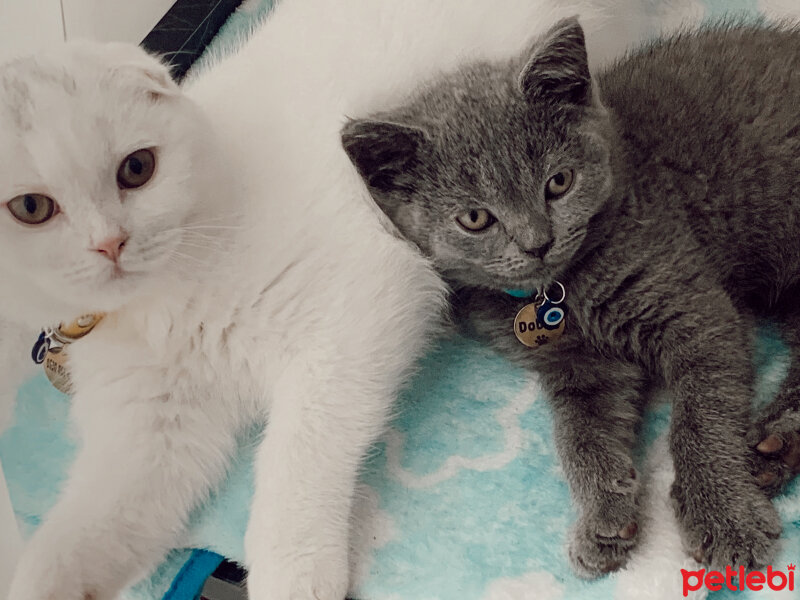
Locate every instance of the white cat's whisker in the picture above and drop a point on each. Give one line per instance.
(194, 227)
(209, 244)
(201, 234)
(227, 218)
(182, 256)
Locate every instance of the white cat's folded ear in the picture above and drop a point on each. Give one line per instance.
(147, 73)
(558, 68)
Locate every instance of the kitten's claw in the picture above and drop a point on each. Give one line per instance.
(775, 458)
(770, 444)
(766, 479)
(629, 531)
(593, 554)
(595, 569)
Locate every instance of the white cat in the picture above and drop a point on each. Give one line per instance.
(245, 274)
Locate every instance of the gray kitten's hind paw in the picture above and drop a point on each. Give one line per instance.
(775, 458)
(731, 528)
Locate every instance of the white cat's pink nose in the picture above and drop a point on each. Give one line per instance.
(112, 247)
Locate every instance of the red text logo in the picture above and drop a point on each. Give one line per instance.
(737, 579)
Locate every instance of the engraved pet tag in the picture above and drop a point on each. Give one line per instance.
(55, 367)
(530, 330)
(51, 348)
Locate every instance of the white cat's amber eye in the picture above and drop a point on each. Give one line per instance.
(137, 169)
(476, 219)
(559, 184)
(32, 209)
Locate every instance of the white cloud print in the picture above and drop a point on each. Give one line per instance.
(514, 440)
(537, 585)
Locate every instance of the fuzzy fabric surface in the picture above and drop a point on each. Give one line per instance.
(462, 499)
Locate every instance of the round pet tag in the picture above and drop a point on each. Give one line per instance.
(532, 332)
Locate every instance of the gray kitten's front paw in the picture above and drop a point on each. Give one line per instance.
(605, 533)
(732, 524)
(593, 554)
(775, 443)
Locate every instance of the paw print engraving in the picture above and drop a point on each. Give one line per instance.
(541, 340)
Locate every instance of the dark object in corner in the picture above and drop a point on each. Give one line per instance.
(227, 583)
(185, 31)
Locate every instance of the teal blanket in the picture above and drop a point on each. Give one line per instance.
(462, 499)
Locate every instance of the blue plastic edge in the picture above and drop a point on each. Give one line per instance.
(188, 584)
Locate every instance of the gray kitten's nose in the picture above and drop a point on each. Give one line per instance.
(540, 251)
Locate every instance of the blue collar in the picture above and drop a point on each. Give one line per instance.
(521, 293)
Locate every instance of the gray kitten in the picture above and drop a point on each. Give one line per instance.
(663, 195)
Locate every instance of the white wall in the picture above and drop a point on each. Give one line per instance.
(112, 20)
(29, 24)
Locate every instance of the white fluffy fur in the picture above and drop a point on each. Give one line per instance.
(259, 282)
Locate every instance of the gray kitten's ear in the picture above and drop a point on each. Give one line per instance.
(558, 68)
(383, 152)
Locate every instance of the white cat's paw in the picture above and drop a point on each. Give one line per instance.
(47, 573)
(306, 574)
(295, 583)
(55, 565)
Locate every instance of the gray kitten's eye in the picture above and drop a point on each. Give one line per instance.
(559, 184)
(476, 219)
(136, 169)
(32, 209)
